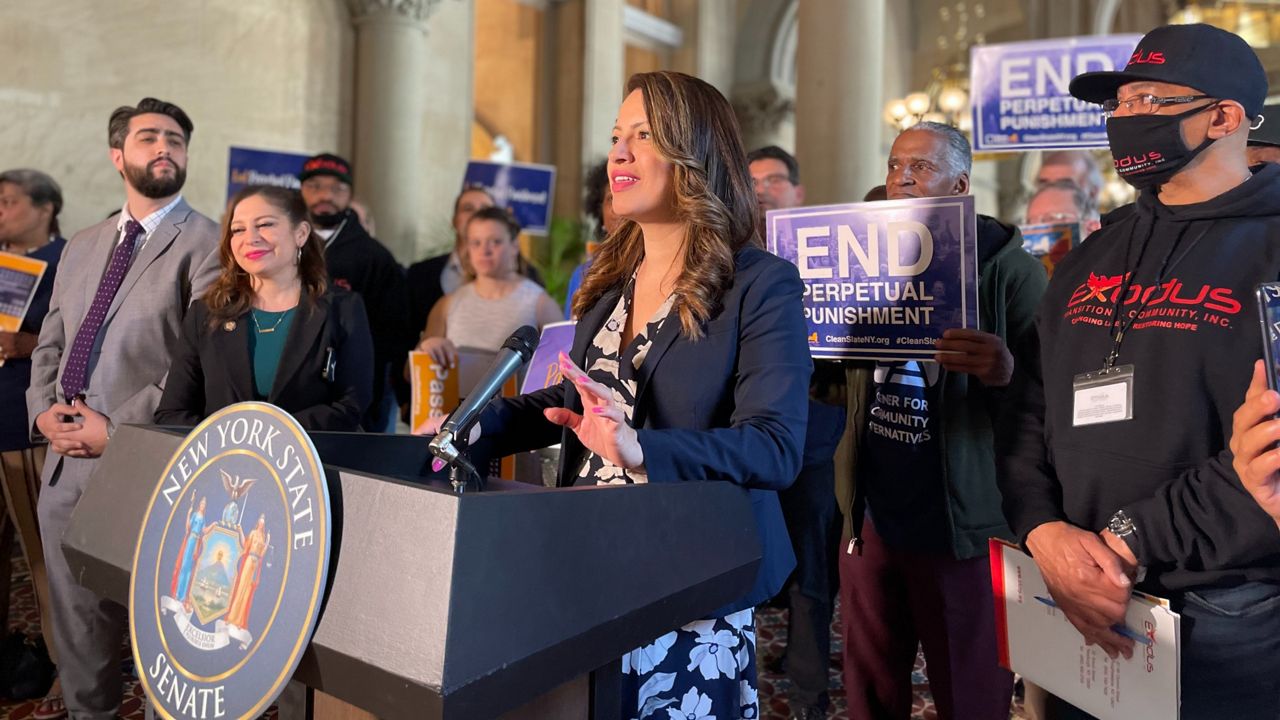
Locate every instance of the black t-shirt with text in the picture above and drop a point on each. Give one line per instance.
(900, 465)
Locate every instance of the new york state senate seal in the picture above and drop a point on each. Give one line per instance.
(231, 565)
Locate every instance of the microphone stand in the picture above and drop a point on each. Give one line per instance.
(515, 352)
(461, 471)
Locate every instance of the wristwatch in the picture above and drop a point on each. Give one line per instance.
(1121, 525)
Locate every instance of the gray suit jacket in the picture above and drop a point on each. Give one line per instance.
(128, 364)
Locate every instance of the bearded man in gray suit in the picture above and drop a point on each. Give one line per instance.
(122, 289)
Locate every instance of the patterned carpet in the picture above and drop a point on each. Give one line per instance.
(771, 640)
(771, 628)
(24, 616)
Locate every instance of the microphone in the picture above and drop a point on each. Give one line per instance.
(515, 352)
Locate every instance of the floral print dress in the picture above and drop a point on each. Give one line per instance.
(705, 670)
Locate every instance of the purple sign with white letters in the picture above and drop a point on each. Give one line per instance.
(882, 280)
(1020, 97)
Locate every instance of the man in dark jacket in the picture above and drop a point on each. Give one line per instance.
(915, 569)
(809, 505)
(359, 263)
(1116, 473)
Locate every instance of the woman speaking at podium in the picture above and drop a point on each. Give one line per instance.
(268, 329)
(696, 368)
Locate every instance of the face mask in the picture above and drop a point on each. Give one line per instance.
(1148, 149)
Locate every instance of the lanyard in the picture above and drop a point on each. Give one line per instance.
(1119, 327)
(337, 231)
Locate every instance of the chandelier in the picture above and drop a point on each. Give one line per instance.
(1257, 21)
(945, 99)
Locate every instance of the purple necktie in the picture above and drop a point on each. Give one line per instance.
(76, 374)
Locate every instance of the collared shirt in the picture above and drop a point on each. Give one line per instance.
(451, 277)
(148, 223)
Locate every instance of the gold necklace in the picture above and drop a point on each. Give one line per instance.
(271, 329)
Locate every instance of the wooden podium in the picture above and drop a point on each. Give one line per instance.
(512, 602)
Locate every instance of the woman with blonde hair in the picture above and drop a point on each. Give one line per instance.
(496, 299)
(696, 368)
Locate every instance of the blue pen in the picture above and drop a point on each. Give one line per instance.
(1117, 629)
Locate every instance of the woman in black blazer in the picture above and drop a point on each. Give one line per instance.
(269, 329)
(697, 368)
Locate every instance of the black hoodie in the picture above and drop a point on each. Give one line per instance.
(1193, 345)
(359, 263)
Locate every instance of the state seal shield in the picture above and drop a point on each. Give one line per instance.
(211, 592)
(231, 565)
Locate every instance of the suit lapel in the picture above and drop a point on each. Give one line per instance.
(95, 265)
(585, 331)
(589, 325)
(232, 346)
(303, 332)
(159, 241)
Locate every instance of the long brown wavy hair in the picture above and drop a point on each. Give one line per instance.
(693, 127)
(231, 295)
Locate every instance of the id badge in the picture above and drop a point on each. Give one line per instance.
(1103, 396)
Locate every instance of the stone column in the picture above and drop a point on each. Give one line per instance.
(449, 92)
(717, 20)
(764, 74)
(391, 59)
(839, 98)
(603, 68)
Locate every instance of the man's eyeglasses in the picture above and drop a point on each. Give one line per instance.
(1146, 104)
(769, 182)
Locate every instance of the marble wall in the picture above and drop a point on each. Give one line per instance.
(272, 74)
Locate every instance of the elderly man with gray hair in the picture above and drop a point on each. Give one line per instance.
(925, 501)
(29, 205)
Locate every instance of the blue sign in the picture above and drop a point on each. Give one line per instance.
(882, 280)
(230, 566)
(1050, 242)
(262, 167)
(526, 189)
(1020, 97)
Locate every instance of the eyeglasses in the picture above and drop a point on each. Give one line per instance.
(768, 182)
(1146, 104)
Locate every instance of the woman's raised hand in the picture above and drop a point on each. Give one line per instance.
(602, 427)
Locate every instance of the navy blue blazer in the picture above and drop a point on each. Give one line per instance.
(731, 406)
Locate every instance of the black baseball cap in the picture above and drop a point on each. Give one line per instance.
(326, 164)
(1215, 62)
(1268, 135)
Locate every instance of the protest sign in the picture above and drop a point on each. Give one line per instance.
(883, 279)
(246, 166)
(544, 368)
(526, 189)
(434, 390)
(1020, 97)
(1050, 243)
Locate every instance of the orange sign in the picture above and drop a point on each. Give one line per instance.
(435, 390)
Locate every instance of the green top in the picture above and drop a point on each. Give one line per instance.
(266, 344)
